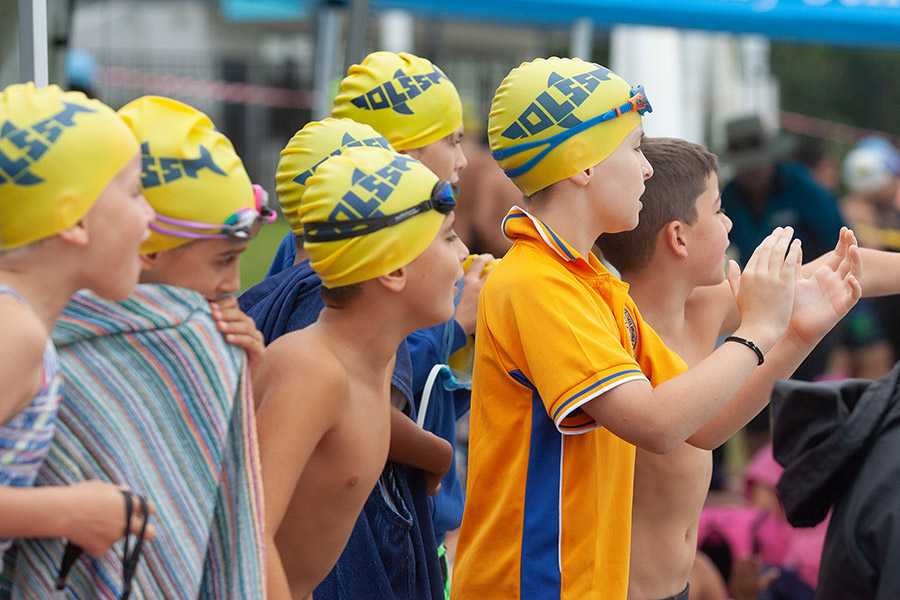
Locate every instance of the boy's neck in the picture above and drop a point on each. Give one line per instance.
(660, 294)
(375, 333)
(564, 209)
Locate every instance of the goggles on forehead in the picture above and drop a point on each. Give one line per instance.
(443, 200)
(241, 226)
(638, 102)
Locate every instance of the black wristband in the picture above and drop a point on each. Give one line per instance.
(749, 344)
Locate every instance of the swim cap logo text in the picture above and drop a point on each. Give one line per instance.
(159, 170)
(554, 105)
(370, 191)
(29, 144)
(348, 141)
(396, 92)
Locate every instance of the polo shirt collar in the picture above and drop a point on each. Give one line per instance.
(519, 223)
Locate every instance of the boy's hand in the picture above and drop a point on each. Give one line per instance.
(823, 299)
(764, 292)
(239, 329)
(467, 309)
(98, 516)
(749, 579)
(433, 478)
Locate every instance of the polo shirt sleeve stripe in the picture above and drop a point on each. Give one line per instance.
(591, 392)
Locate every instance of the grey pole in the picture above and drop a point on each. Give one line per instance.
(356, 33)
(33, 64)
(327, 35)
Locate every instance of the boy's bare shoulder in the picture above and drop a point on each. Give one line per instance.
(21, 355)
(302, 358)
(713, 306)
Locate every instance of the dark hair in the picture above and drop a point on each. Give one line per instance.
(681, 170)
(341, 295)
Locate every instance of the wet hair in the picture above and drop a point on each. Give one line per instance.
(341, 295)
(681, 170)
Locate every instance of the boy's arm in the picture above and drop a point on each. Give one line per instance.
(411, 445)
(819, 303)
(288, 434)
(881, 275)
(91, 514)
(659, 419)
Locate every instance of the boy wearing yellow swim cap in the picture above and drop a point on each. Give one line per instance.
(207, 211)
(155, 374)
(378, 227)
(71, 216)
(566, 370)
(290, 300)
(417, 109)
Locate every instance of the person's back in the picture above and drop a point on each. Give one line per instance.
(388, 269)
(69, 170)
(838, 442)
(157, 397)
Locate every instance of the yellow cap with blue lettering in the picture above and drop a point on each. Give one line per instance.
(307, 150)
(552, 118)
(378, 204)
(58, 152)
(403, 97)
(191, 172)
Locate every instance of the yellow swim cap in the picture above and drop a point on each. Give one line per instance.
(307, 150)
(58, 152)
(403, 97)
(190, 171)
(369, 211)
(553, 118)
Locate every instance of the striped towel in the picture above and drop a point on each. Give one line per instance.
(155, 399)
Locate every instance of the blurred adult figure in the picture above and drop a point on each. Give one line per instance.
(872, 176)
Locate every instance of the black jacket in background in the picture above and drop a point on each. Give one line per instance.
(839, 443)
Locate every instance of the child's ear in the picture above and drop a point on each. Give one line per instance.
(75, 234)
(395, 281)
(582, 178)
(675, 239)
(148, 260)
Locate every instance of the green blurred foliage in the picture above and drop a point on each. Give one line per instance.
(258, 256)
(858, 87)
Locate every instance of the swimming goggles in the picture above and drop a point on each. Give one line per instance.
(638, 102)
(443, 199)
(243, 225)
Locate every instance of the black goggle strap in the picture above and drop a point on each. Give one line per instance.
(443, 200)
(72, 553)
(129, 559)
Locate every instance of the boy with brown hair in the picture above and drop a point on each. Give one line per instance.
(378, 228)
(568, 375)
(674, 264)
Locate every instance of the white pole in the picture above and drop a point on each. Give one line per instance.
(395, 31)
(582, 42)
(33, 42)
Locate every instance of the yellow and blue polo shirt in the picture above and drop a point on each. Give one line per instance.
(548, 500)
